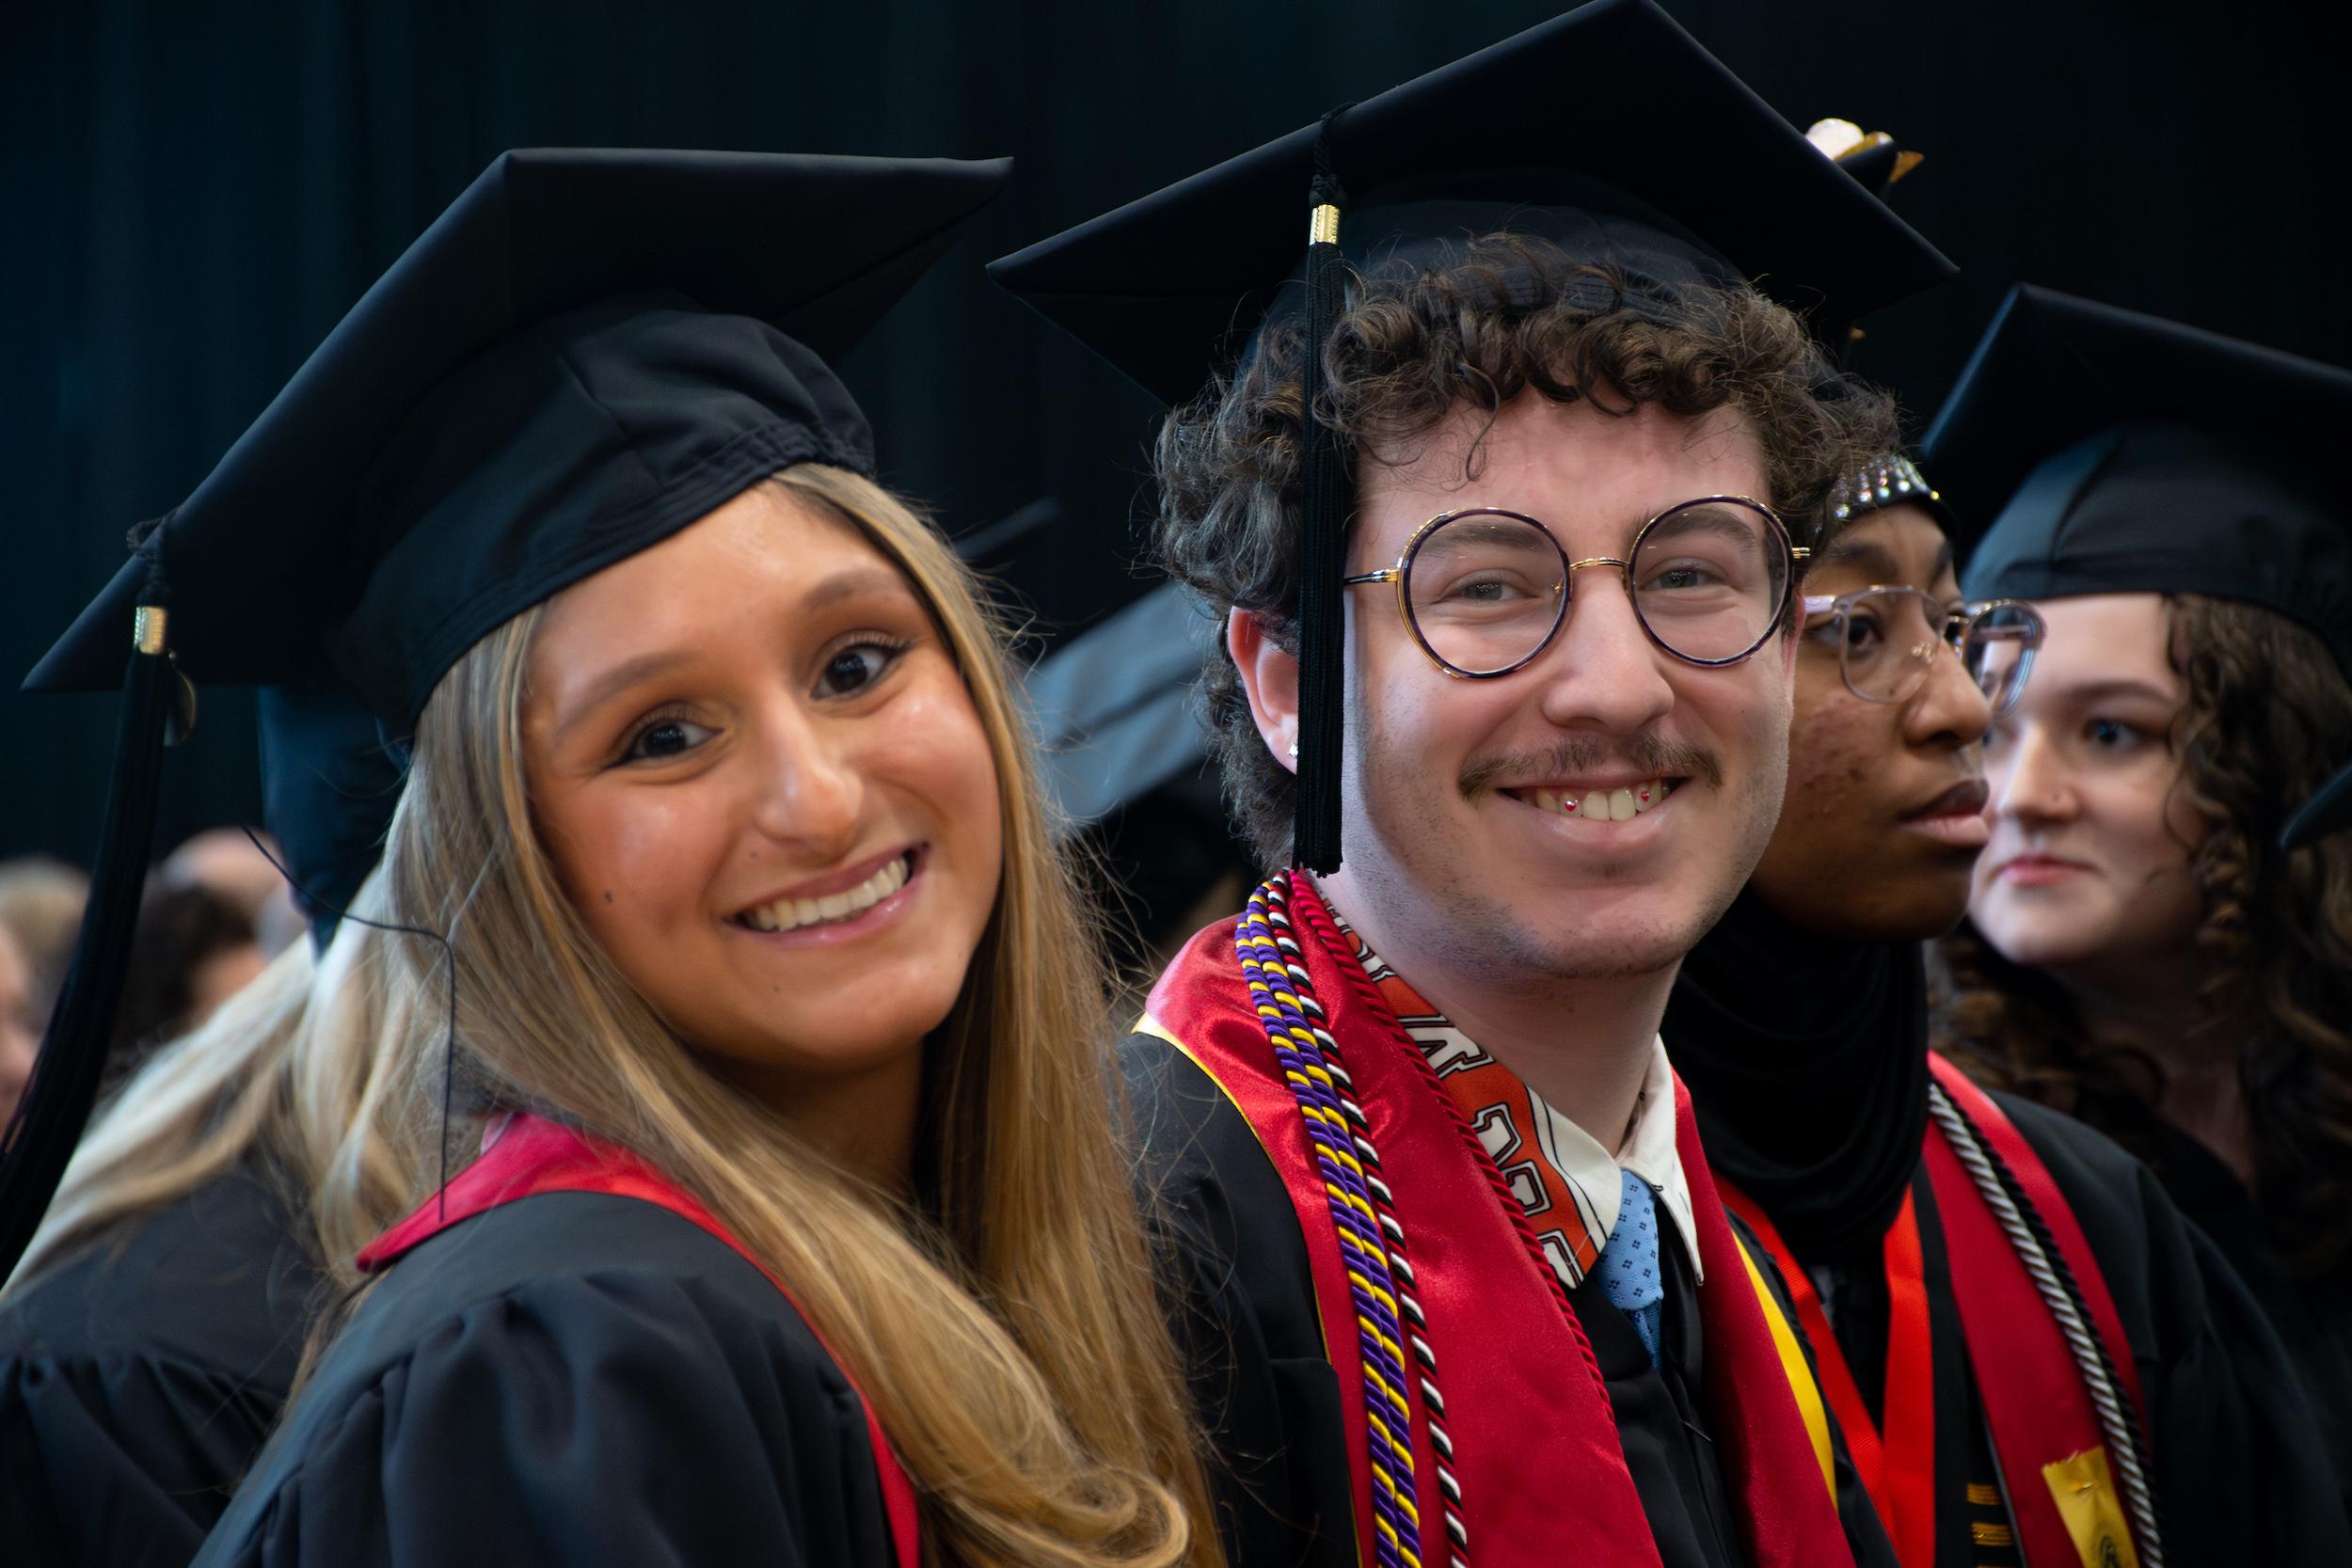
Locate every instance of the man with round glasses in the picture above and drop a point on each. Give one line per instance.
(1490, 506)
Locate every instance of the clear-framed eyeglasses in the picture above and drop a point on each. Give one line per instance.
(1484, 591)
(1887, 638)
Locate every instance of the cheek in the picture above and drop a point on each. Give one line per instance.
(630, 857)
(934, 753)
(1831, 747)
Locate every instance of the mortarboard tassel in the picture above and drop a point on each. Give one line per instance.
(49, 1119)
(1325, 502)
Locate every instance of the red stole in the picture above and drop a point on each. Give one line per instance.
(1535, 1447)
(2036, 1407)
(2035, 1403)
(533, 1155)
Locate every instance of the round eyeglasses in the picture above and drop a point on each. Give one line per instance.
(1887, 638)
(1484, 591)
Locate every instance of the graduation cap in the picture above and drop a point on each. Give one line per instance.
(2131, 455)
(1607, 130)
(1112, 705)
(588, 351)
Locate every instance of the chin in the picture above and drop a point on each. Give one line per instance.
(1620, 944)
(2040, 940)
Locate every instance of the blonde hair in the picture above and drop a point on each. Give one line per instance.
(1014, 1347)
(283, 1080)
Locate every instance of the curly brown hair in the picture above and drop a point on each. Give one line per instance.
(2262, 725)
(1511, 314)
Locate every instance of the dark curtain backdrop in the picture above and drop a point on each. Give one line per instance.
(195, 192)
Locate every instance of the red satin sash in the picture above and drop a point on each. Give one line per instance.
(1536, 1446)
(1898, 1464)
(533, 1155)
(2035, 1403)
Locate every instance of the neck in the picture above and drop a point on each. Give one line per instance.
(1582, 1044)
(864, 1121)
(1806, 1060)
(2201, 1094)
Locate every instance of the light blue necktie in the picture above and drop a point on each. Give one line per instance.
(1628, 1264)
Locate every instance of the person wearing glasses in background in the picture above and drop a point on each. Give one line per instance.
(1801, 1024)
(1459, 1245)
(2159, 939)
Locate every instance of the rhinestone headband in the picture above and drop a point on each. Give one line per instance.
(1881, 481)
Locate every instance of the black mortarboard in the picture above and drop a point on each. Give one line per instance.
(2126, 453)
(586, 352)
(1113, 705)
(1608, 130)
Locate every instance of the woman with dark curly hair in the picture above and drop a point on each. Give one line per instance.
(2142, 951)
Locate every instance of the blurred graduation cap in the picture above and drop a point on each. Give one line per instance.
(1608, 130)
(1113, 705)
(589, 350)
(2126, 453)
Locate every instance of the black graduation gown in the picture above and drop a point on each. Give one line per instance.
(2314, 1316)
(138, 1381)
(573, 1378)
(2243, 1474)
(1271, 1402)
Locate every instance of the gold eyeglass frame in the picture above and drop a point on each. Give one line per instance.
(1395, 574)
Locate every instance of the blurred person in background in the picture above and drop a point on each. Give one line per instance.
(2160, 930)
(237, 867)
(40, 904)
(20, 1012)
(193, 949)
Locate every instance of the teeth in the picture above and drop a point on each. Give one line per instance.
(790, 915)
(1602, 805)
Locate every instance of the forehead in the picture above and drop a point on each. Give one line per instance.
(1570, 464)
(2102, 639)
(1898, 545)
(761, 545)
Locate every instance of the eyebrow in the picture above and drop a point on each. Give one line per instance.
(622, 677)
(2105, 690)
(1879, 562)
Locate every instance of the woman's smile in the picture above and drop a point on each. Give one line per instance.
(830, 911)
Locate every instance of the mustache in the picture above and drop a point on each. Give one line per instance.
(1644, 754)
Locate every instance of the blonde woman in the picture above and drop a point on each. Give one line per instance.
(785, 1221)
(152, 1331)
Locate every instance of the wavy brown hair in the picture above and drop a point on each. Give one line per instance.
(2262, 725)
(1510, 315)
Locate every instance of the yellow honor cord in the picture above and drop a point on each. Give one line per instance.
(1800, 1375)
(2092, 1510)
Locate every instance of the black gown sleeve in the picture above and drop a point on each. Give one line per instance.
(596, 1416)
(119, 1457)
(2242, 1471)
(140, 1378)
(1243, 1309)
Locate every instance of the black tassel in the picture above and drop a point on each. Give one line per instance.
(1326, 499)
(49, 1118)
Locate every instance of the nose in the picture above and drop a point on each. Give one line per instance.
(1949, 710)
(1602, 671)
(2028, 779)
(808, 792)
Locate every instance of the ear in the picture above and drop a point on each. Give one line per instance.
(1270, 676)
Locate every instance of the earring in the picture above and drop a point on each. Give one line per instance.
(1293, 750)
